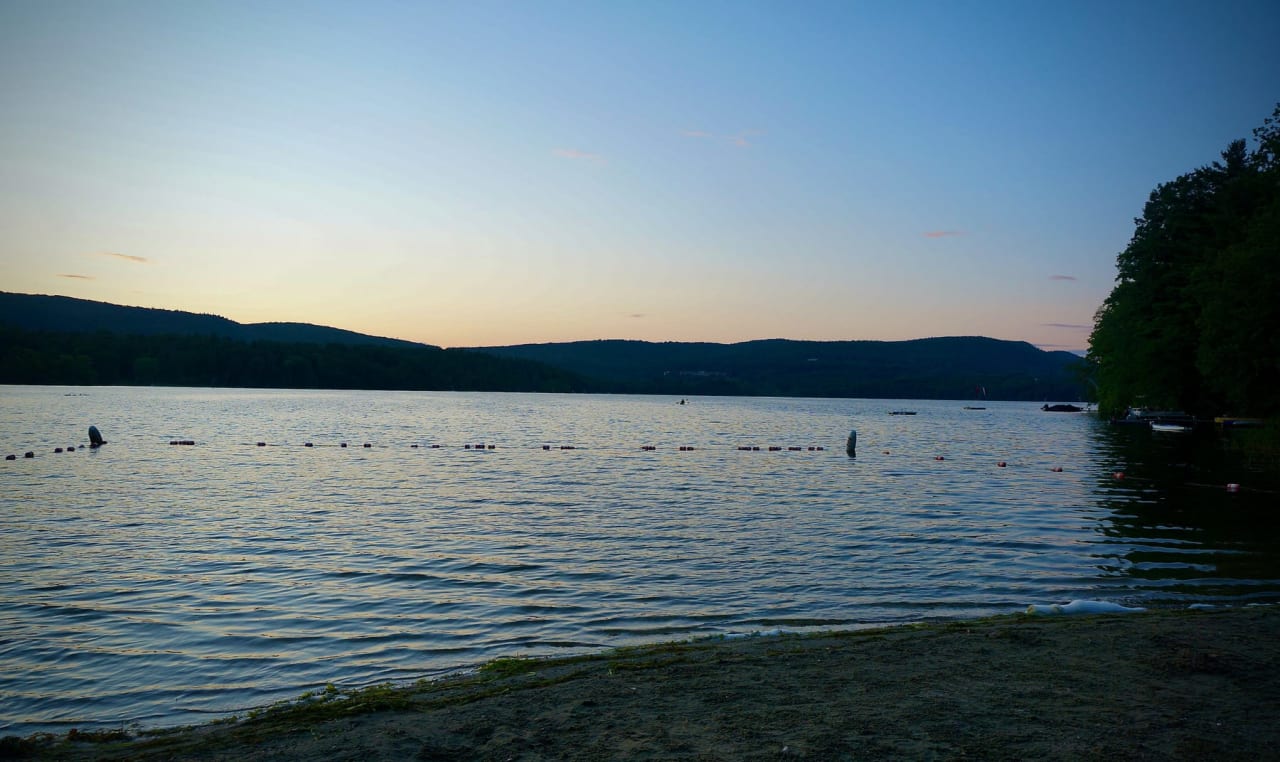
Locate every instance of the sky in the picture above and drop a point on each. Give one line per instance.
(486, 173)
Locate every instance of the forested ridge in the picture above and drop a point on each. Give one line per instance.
(59, 340)
(952, 367)
(112, 359)
(1193, 322)
(65, 314)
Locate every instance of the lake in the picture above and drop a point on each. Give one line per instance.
(144, 582)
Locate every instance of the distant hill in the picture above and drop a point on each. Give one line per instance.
(935, 368)
(60, 340)
(64, 314)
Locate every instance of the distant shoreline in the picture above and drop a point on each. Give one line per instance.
(1161, 684)
(582, 392)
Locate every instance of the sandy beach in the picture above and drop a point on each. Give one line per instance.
(1157, 685)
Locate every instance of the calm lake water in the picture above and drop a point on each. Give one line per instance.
(157, 584)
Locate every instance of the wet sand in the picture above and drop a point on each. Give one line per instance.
(1160, 685)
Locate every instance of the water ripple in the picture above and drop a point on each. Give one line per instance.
(155, 584)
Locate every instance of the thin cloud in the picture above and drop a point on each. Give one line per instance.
(75, 276)
(1072, 326)
(740, 140)
(126, 257)
(697, 134)
(573, 153)
(944, 233)
(1062, 277)
(636, 315)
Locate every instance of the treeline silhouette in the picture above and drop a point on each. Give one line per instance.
(1193, 321)
(60, 340)
(960, 367)
(104, 358)
(65, 314)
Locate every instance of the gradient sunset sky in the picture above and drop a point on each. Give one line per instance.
(475, 173)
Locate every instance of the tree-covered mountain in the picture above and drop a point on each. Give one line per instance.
(63, 314)
(59, 340)
(114, 359)
(936, 368)
(1193, 321)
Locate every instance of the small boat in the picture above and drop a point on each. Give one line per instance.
(902, 412)
(1062, 409)
(1171, 428)
(981, 392)
(1138, 416)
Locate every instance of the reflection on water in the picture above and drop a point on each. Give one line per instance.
(155, 583)
(1173, 524)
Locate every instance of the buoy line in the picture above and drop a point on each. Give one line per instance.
(96, 441)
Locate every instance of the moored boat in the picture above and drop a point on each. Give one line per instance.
(1139, 416)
